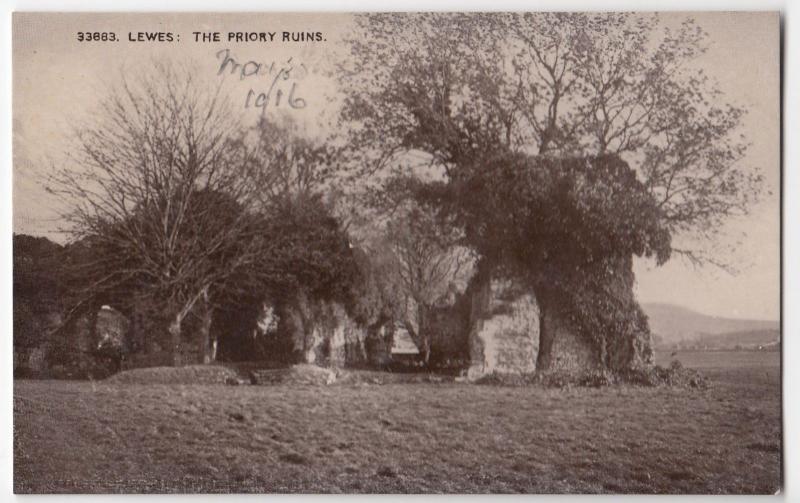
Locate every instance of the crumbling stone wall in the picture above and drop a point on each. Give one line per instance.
(344, 335)
(70, 354)
(31, 360)
(76, 352)
(570, 352)
(322, 333)
(299, 330)
(111, 329)
(378, 343)
(333, 339)
(449, 332)
(505, 328)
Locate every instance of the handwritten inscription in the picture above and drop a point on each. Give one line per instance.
(281, 79)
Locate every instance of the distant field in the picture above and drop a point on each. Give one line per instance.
(84, 437)
(722, 359)
(759, 369)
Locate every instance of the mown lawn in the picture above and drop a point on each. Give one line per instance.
(84, 437)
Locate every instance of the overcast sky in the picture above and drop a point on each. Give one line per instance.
(58, 81)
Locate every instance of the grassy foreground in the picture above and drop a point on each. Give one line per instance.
(85, 437)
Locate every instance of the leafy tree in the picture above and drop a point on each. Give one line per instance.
(38, 288)
(452, 105)
(306, 254)
(436, 91)
(567, 227)
(307, 250)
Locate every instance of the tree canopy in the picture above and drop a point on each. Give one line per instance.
(561, 144)
(436, 91)
(174, 201)
(565, 226)
(554, 146)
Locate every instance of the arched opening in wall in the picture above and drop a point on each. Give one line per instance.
(111, 337)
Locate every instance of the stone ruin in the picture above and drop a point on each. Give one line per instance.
(322, 333)
(493, 327)
(77, 350)
(111, 331)
(31, 360)
(504, 328)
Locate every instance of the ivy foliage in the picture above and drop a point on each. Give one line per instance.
(568, 227)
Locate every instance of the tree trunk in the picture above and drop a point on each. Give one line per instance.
(214, 349)
(424, 333)
(175, 340)
(480, 294)
(175, 326)
(544, 359)
(208, 345)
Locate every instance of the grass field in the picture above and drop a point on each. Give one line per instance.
(84, 437)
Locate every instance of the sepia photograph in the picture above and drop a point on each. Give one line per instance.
(404, 253)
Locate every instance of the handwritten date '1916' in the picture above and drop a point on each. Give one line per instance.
(279, 76)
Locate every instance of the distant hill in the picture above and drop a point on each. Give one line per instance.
(673, 324)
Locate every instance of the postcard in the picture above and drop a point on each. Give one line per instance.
(528, 252)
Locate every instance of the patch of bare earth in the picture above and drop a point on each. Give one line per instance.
(423, 437)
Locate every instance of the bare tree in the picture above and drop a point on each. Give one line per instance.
(157, 189)
(285, 162)
(427, 264)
